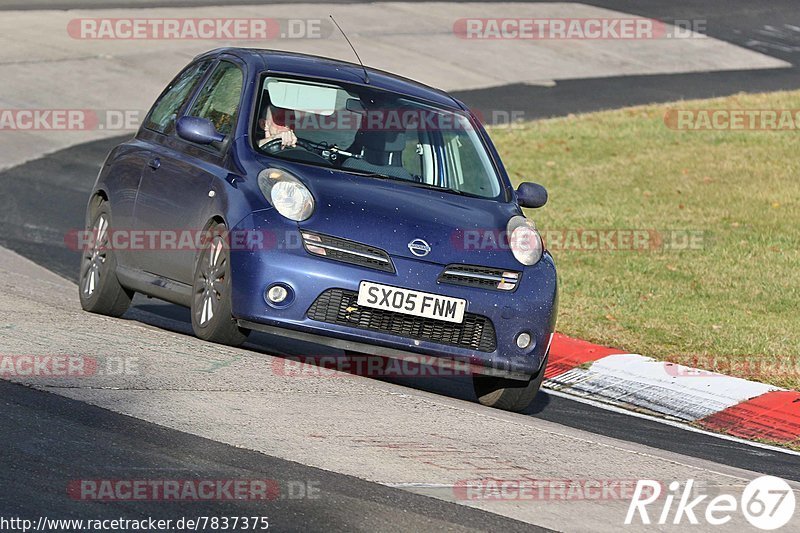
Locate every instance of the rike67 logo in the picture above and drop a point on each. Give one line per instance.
(767, 503)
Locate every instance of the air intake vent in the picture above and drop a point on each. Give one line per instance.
(339, 306)
(478, 276)
(346, 251)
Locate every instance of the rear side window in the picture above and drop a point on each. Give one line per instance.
(165, 111)
(218, 100)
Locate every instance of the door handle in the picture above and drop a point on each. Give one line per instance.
(154, 163)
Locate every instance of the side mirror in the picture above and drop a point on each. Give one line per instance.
(198, 130)
(531, 194)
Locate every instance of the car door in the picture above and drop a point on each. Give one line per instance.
(158, 125)
(175, 193)
(128, 161)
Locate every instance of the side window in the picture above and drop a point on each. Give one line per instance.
(162, 116)
(464, 164)
(218, 100)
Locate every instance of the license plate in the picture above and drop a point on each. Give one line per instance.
(410, 302)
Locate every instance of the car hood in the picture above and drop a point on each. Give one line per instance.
(390, 215)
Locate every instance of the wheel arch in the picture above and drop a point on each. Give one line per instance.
(214, 219)
(97, 198)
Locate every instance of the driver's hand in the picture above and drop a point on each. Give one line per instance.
(288, 139)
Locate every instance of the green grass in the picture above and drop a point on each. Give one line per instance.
(733, 304)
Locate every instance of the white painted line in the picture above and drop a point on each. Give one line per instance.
(669, 389)
(671, 423)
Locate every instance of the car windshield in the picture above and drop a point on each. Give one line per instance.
(373, 132)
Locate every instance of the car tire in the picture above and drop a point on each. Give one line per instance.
(507, 394)
(99, 289)
(211, 293)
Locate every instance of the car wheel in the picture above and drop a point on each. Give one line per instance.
(211, 293)
(507, 394)
(99, 289)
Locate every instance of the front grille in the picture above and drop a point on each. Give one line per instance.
(478, 276)
(346, 251)
(339, 306)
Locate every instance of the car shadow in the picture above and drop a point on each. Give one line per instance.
(426, 378)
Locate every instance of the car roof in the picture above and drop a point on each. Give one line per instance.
(279, 61)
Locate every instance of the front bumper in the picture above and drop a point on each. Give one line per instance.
(531, 308)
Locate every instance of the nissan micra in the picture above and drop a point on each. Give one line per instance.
(328, 202)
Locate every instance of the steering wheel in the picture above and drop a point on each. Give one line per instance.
(319, 149)
(274, 146)
(304, 150)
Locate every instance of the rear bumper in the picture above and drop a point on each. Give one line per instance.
(531, 308)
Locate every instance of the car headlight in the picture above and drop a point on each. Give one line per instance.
(524, 240)
(286, 193)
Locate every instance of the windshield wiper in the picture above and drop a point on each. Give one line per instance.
(438, 188)
(370, 174)
(380, 176)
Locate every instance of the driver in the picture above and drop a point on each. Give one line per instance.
(274, 131)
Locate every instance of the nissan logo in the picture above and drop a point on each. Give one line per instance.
(419, 247)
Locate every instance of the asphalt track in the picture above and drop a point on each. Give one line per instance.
(42, 199)
(50, 441)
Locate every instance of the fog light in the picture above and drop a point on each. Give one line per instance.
(276, 294)
(523, 340)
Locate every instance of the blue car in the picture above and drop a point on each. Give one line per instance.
(324, 201)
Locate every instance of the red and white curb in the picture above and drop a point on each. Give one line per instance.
(716, 402)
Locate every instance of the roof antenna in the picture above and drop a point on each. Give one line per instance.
(366, 76)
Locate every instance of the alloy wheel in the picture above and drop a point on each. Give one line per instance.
(95, 257)
(210, 288)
